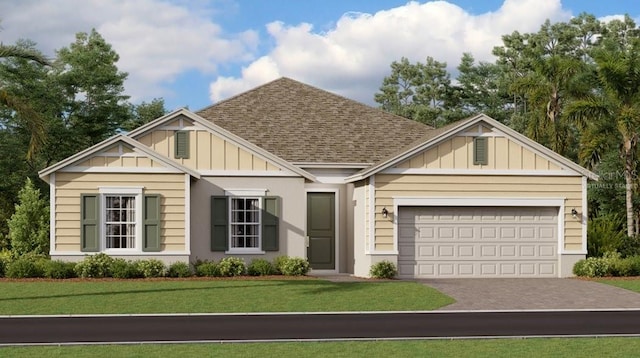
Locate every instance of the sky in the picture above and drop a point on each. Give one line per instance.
(194, 53)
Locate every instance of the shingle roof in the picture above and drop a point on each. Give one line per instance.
(304, 124)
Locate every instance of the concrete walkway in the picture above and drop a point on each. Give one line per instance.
(534, 294)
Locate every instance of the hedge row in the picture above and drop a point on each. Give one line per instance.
(611, 264)
(102, 265)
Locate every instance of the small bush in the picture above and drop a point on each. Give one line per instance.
(629, 246)
(121, 268)
(598, 266)
(25, 267)
(152, 268)
(94, 266)
(59, 269)
(232, 266)
(5, 258)
(260, 267)
(294, 266)
(179, 269)
(278, 262)
(207, 269)
(383, 269)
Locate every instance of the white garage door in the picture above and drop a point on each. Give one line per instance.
(477, 242)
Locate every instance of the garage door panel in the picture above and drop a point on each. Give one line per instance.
(477, 241)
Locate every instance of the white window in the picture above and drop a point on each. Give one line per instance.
(121, 218)
(245, 223)
(120, 221)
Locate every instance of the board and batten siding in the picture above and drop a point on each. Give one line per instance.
(69, 187)
(207, 151)
(457, 153)
(388, 186)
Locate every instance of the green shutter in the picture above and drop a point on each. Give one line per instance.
(151, 223)
(270, 219)
(90, 222)
(182, 145)
(219, 223)
(480, 151)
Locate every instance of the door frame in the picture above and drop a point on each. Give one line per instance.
(336, 244)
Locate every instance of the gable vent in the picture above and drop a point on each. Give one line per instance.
(480, 151)
(182, 145)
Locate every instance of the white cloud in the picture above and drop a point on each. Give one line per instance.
(156, 40)
(354, 56)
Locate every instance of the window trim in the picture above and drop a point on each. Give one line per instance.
(137, 192)
(238, 194)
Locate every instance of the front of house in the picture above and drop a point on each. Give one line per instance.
(289, 169)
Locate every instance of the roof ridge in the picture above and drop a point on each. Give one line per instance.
(240, 94)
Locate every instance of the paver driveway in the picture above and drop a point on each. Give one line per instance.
(534, 294)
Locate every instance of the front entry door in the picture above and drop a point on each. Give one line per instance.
(321, 231)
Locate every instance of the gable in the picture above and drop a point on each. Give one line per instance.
(117, 156)
(208, 151)
(456, 153)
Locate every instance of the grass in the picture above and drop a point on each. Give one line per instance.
(632, 284)
(538, 347)
(200, 296)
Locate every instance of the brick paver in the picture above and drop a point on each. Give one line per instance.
(534, 293)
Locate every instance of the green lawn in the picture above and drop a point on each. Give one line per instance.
(539, 347)
(629, 284)
(233, 295)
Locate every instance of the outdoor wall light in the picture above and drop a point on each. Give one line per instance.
(574, 213)
(385, 212)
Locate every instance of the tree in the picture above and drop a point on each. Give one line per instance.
(145, 113)
(420, 91)
(94, 104)
(30, 118)
(613, 109)
(29, 225)
(482, 88)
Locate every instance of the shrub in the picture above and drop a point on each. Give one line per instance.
(598, 266)
(605, 233)
(5, 258)
(25, 267)
(29, 224)
(629, 246)
(121, 268)
(152, 268)
(294, 266)
(59, 269)
(232, 266)
(179, 269)
(94, 266)
(207, 268)
(383, 269)
(278, 262)
(260, 267)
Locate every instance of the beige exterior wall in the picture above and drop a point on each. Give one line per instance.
(119, 156)
(69, 187)
(292, 219)
(388, 186)
(457, 153)
(206, 150)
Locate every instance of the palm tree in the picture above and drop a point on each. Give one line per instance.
(613, 110)
(32, 119)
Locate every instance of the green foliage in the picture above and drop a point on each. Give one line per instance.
(179, 269)
(294, 266)
(152, 268)
(278, 262)
(630, 246)
(121, 268)
(59, 269)
(25, 267)
(599, 266)
(232, 266)
(261, 267)
(145, 113)
(5, 259)
(94, 266)
(605, 233)
(29, 225)
(383, 269)
(206, 269)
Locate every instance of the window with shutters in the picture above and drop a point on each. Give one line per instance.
(245, 222)
(120, 219)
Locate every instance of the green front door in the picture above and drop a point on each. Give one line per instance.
(321, 231)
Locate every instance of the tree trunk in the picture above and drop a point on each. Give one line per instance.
(628, 178)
